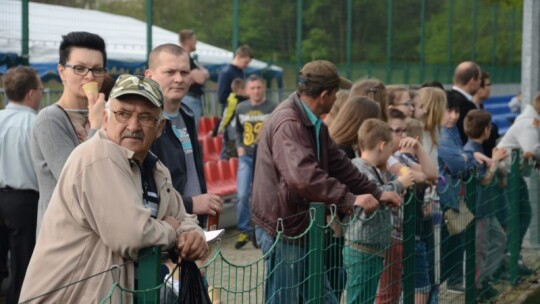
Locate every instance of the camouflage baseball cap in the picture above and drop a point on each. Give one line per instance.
(324, 74)
(138, 85)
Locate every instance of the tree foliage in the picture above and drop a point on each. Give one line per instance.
(270, 27)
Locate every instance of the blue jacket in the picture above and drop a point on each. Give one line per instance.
(453, 166)
(485, 198)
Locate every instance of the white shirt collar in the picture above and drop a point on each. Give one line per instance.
(467, 95)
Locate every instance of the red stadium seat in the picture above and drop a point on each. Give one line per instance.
(213, 181)
(226, 177)
(210, 152)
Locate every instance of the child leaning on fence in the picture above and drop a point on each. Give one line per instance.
(368, 235)
(490, 237)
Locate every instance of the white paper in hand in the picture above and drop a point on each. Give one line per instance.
(212, 236)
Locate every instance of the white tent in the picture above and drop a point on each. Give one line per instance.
(125, 38)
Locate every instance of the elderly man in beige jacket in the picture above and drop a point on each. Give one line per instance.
(113, 198)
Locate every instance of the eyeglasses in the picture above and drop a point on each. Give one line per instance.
(400, 131)
(407, 103)
(146, 120)
(81, 70)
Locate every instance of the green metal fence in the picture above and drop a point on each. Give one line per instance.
(317, 264)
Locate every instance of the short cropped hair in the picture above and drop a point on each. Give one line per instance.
(185, 35)
(476, 122)
(237, 84)
(255, 77)
(485, 76)
(18, 81)
(244, 51)
(81, 40)
(167, 48)
(462, 76)
(396, 114)
(372, 132)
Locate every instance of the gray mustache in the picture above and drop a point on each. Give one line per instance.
(129, 134)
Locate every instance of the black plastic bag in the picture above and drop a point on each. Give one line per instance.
(192, 290)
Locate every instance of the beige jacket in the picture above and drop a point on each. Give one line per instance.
(95, 220)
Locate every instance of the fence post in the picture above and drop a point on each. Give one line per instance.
(316, 256)
(299, 9)
(149, 23)
(148, 274)
(235, 26)
(470, 242)
(513, 225)
(409, 231)
(389, 12)
(25, 54)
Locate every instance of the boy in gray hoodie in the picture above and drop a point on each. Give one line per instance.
(368, 235)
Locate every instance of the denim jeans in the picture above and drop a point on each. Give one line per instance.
(284, 272)
(244, 183)
(421, 277)
(195, 104)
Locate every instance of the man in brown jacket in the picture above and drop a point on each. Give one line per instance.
(113, 198)
(298, 163)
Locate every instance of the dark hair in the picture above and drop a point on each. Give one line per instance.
(476, 122)
(19, 81)
(312, 91)
(433, 83)
(81, 40)
(396, 114)
(485, 76)
(168, 48)
(244, 51)
(185, 35)
(255, 77)
(465, 72)
(451, 103)
(107, 85)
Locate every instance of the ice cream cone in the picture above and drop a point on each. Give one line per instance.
(404, 170)
(91, 89)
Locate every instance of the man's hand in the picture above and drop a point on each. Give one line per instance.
(192, 245)
(240, 151)
(392, 198)
(207, 204)
(95, 110)
(367, 202)
(172, 221)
